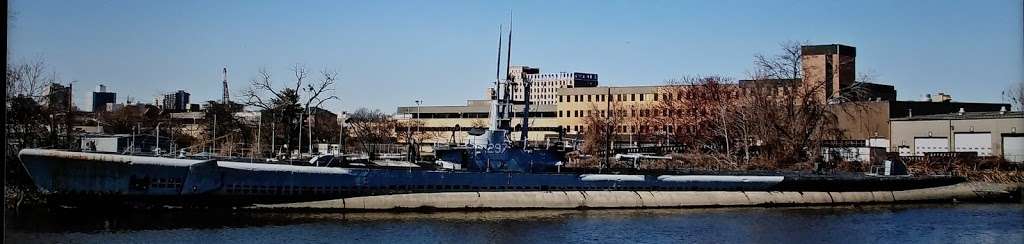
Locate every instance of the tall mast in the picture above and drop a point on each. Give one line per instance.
(507, 104)
(496, 106)
(508, 56)
(526, 84)
(497, 68)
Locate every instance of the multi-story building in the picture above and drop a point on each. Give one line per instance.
(101, 97)
(833, 66)
(176, 101)
(544, 87)
(575, 97)
(575, 105)
(451, 123)
(57, 97)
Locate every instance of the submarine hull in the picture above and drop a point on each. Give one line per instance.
(75, 178)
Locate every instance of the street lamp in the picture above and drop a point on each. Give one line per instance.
(418, 103)
(158, 138)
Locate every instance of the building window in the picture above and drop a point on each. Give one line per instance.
(642, 97)
(632, 97)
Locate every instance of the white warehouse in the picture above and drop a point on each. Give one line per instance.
(997, 134)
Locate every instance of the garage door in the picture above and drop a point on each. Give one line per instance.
(973, 142)
(1013, 149)
(930, 144)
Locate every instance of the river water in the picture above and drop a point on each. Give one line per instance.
(925, 223)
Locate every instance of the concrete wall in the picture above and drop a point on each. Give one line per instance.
(656, 199)
(862, 120)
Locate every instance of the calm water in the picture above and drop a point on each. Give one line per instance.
(940, 223)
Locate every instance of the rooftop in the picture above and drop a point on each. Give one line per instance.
(829, 49)
(965, 115)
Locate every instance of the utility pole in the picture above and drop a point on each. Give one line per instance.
(408, 140)
(418, 115)
(69, 116)
(138, 131)
(259, 131)
(213, 144)
(607, 128)
(158, 139)
(725, 127)
(131, 150)
(310, 134)
(273, 135)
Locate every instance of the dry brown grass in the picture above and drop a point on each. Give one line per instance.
(974, 169)
(994, 176)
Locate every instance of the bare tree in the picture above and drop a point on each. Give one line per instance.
(637, 121)
(28, 79)
(1015, 94)
(791, 119)
(418, 132)
(785, 65)
(289, 104)
(696, 112)
(600, 128)
(691, 109)
(27, 122)
(788, 122)
(371, 127)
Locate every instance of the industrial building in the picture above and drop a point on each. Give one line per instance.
(996, 134)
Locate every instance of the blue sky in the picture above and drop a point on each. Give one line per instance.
(391, 53)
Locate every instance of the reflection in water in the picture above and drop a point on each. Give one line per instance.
(1003, 223)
